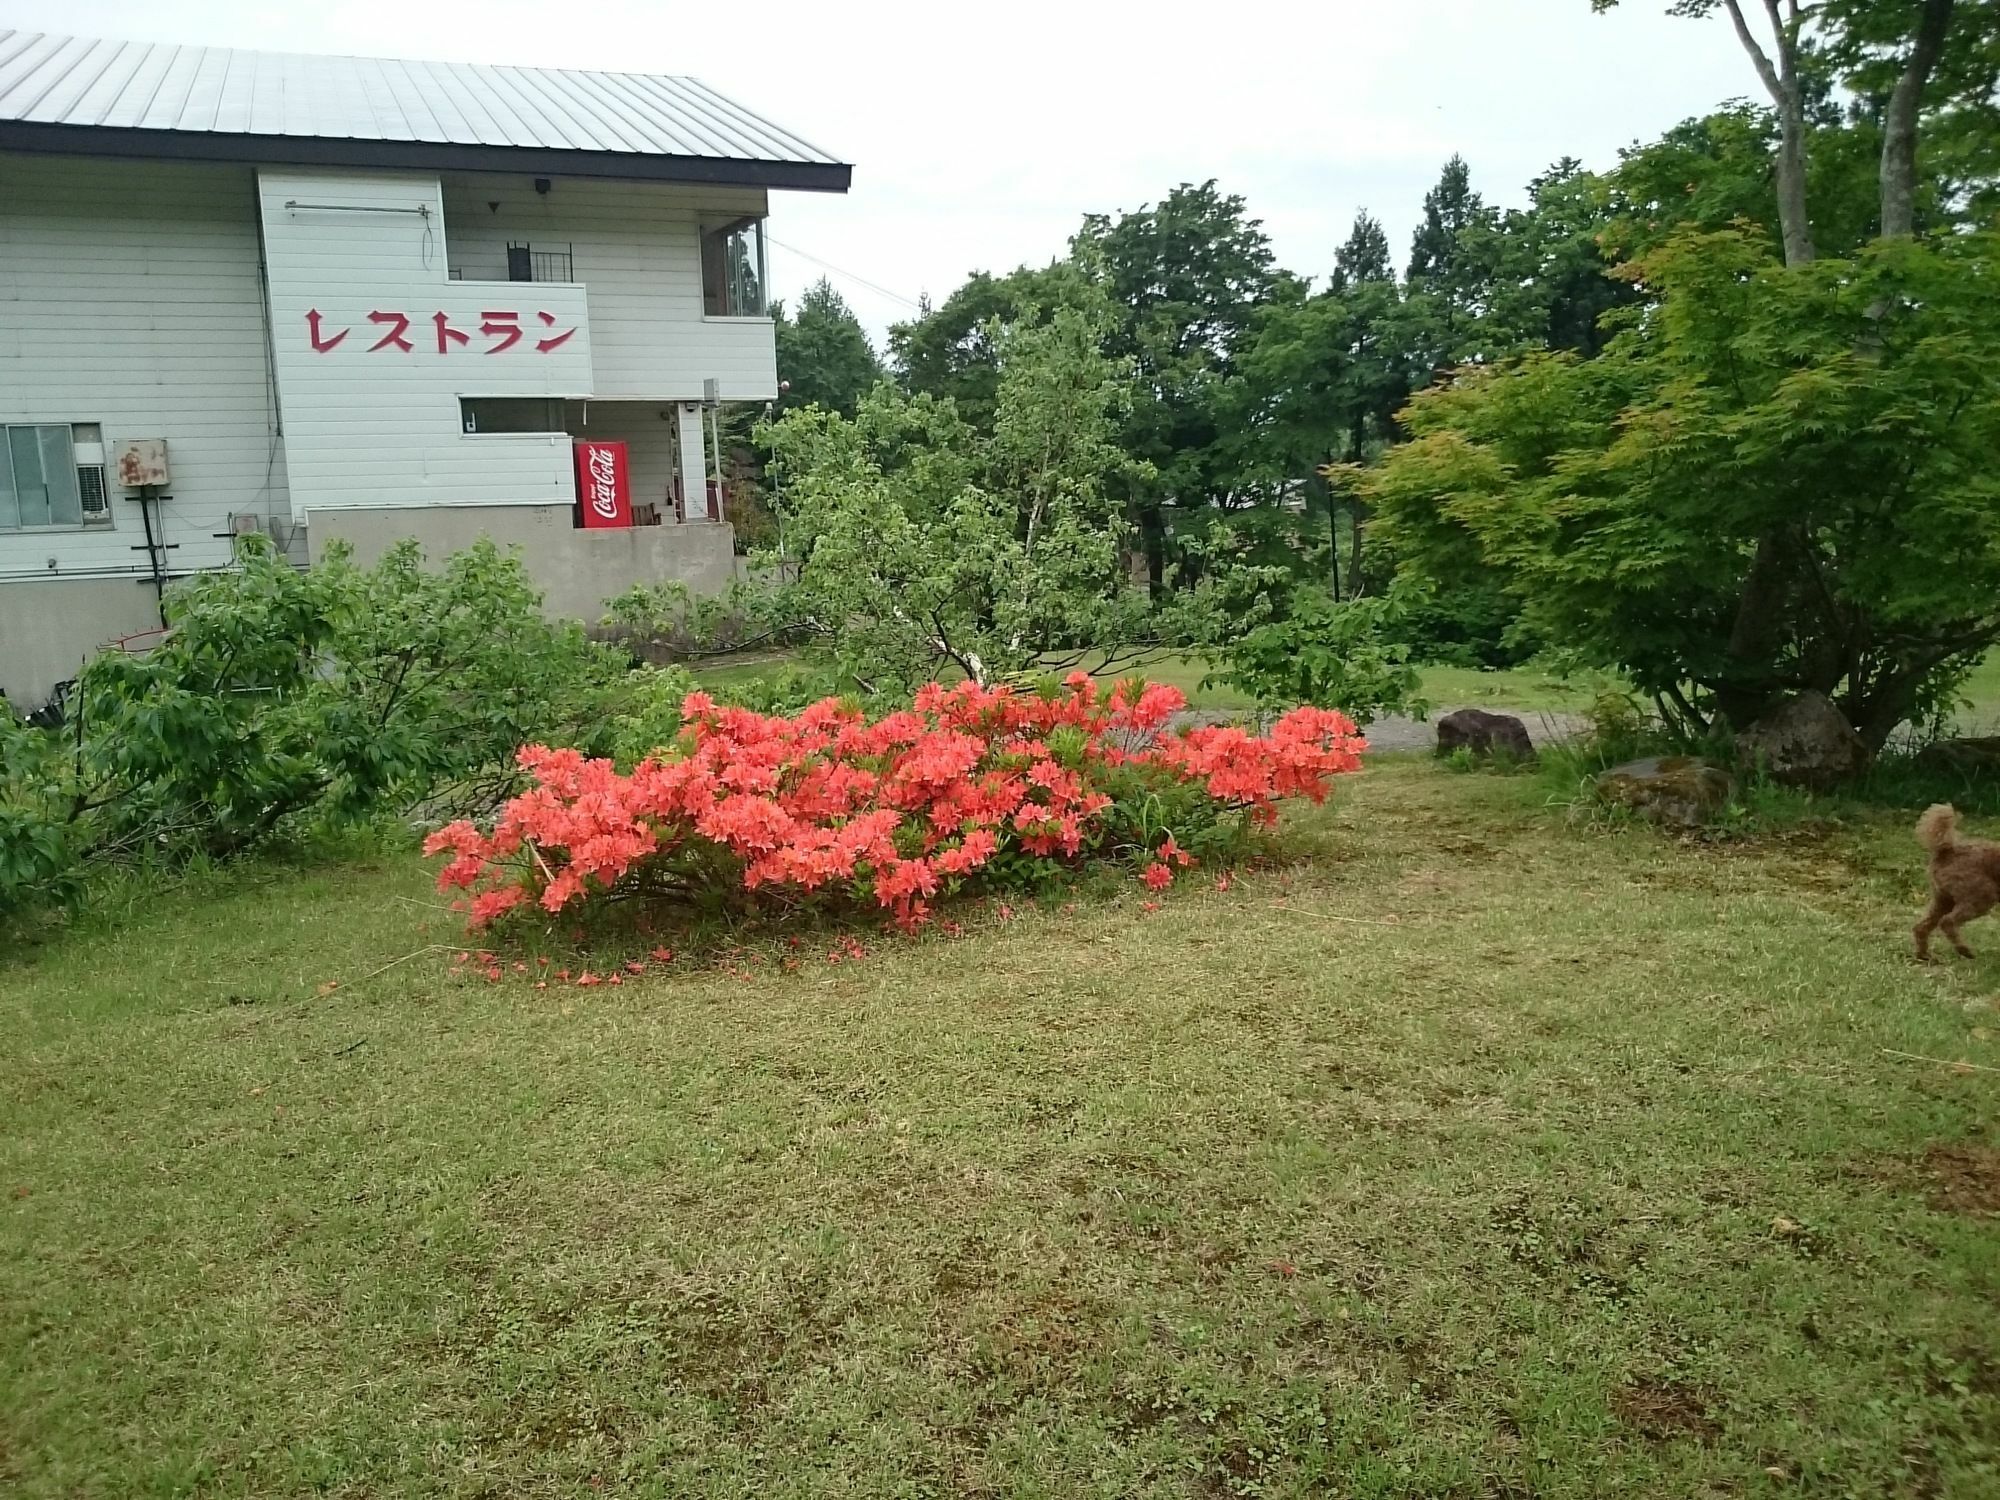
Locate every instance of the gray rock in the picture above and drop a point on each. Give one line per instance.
(1806, 742)
(1484, 734)
(1681, 791)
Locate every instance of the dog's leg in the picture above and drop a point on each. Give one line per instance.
(1940, 909)
(1958, 917)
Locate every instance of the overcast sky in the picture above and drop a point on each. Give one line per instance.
(981, 133)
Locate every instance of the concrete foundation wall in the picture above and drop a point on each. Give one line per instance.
(48, 630)
(576, 569)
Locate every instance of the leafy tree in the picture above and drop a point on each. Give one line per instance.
(1894, 47)
(1715, 171)
(824, 357)
(1185, 278)
(1779, 59)
(951, 350)
(1816, 435)
(1909, 48)
(1934, 64)
(920, 546)
(1552, 285)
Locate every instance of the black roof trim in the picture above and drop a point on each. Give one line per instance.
(321, 151)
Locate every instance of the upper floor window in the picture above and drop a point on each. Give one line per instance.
(52, 474)
(732, 268)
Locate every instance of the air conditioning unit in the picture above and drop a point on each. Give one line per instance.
(92, 495)
(248, 525)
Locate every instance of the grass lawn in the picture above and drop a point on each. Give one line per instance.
(1473, 1155)
(1982, 689)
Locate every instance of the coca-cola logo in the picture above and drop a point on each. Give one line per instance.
(601, 472)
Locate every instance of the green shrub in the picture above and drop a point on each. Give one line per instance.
(282, 699)
(1347, 655)
(648, 717)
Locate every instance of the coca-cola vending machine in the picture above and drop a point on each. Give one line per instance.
(603, 484)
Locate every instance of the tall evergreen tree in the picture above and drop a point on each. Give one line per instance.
(1452, 265)
(824, 356)
(1365, 256)
(1450, 210)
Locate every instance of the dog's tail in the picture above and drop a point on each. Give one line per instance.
(1937, 829)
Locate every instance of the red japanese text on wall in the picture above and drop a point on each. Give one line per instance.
(497, 331)
(604, 484)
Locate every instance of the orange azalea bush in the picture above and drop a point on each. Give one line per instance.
(970, 784)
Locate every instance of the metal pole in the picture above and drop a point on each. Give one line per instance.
(715, 445)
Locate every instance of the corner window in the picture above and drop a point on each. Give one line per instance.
(52, 474)
(732, 269)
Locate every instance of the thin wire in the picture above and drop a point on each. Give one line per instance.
(913, 306)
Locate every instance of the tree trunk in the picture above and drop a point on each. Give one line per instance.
(1899, 121)
(1153, 538)
(1792, 217)
(1781, 81)
(1356, 584)
(1749, 689)
(1759, 609)
(1333, 538)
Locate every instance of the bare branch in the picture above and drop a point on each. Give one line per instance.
(1772, 82)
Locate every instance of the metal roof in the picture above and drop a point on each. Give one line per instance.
(73, 94)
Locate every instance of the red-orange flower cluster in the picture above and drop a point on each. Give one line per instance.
(898, 809)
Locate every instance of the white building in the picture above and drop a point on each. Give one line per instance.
(360, 299)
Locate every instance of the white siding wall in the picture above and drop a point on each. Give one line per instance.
(369, 428)
(636, 247)
(129, 296)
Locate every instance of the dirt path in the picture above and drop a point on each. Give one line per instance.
(1400, 732)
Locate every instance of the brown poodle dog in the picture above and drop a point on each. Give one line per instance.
(1965, 879)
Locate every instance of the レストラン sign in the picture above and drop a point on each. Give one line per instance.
(498, 330)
